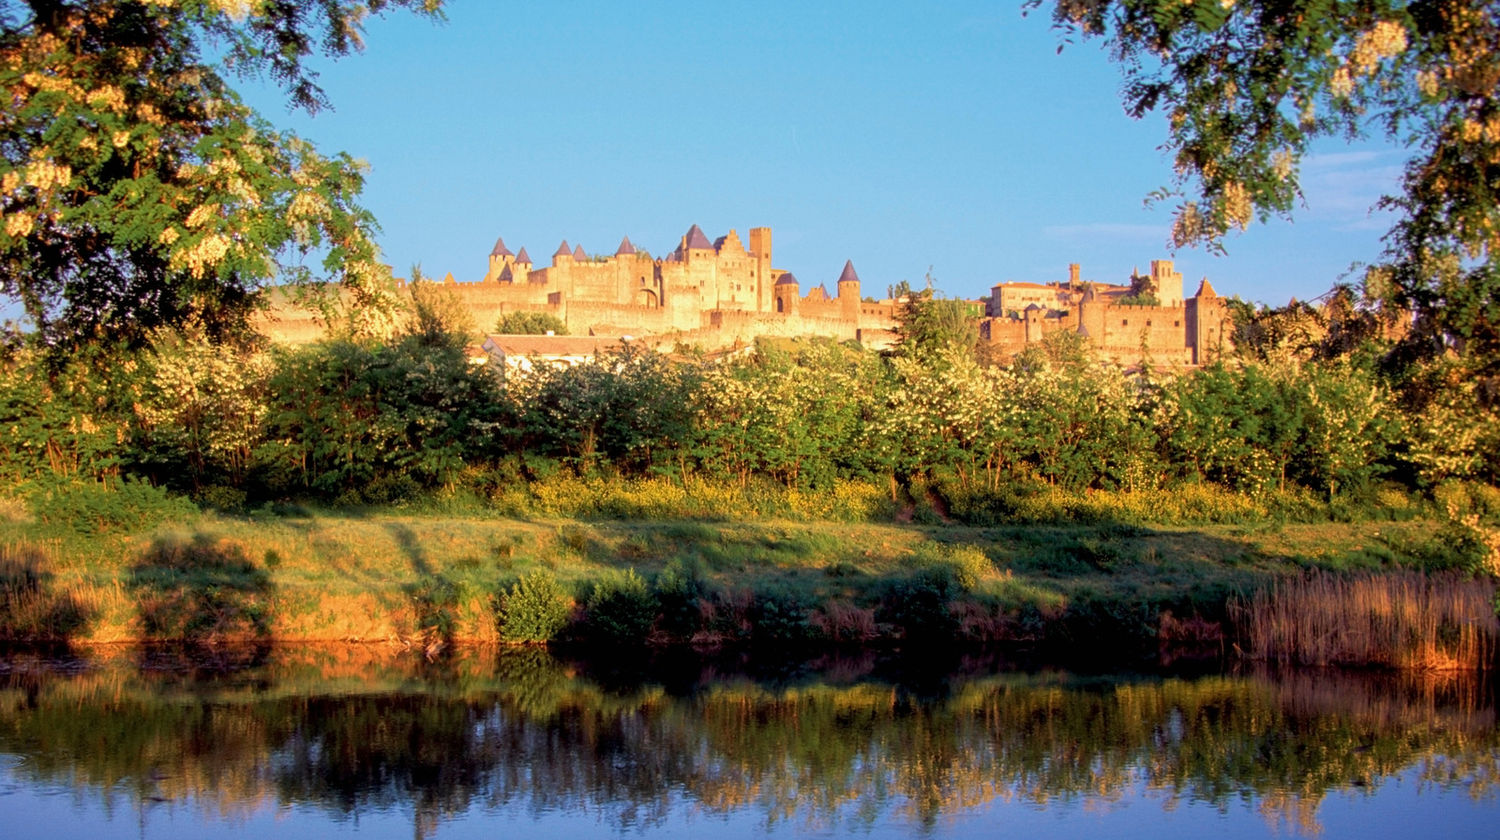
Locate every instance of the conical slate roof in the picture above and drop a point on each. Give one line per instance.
(848, 275)
(696, 239)
(1207, 291)
(579, 255)
(787, 279)
(500, 250)
(625, 248)
(563, 250)
(523, 257)
(506, 275)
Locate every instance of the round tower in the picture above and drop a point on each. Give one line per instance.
(788, 294)
(849, 293)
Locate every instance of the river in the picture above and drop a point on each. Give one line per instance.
(368, 741)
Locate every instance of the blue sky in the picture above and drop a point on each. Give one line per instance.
(904, 136)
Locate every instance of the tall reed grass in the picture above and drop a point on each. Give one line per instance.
(1405, 620)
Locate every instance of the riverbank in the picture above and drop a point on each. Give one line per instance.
(432, 579)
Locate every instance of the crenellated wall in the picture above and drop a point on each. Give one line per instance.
(724, 292)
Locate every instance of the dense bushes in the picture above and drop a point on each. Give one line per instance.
(942, 434)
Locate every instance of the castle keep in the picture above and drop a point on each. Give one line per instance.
(1147, 319)
(714, 293)
(725, 292)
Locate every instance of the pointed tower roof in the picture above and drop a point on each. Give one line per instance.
(625, 248)
(579, 255)
(506, 275)
(848, 275)
(787, 279)
(697, 239)
(500, 250)
(563, 250)
(1207, 291)
(523, 257)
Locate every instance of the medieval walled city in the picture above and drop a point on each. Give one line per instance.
(723, 293)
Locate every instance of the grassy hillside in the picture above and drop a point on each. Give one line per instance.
(771, 568)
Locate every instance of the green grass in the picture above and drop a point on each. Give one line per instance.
(432, 575)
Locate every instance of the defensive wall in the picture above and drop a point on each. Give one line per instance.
(720, 293)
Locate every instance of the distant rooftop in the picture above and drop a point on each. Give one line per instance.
(696, 239)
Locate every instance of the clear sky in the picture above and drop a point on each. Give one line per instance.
(904, 136)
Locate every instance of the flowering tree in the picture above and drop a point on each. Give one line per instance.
(137, 190)
(1248, 85)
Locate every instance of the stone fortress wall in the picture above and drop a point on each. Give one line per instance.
(722, 293)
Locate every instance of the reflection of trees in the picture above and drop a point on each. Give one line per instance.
(525, 733)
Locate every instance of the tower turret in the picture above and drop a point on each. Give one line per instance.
(788, 294)
(500, 257)
(848, 288)
(760, 252)
(1166, 283)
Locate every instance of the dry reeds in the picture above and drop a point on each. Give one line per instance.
(1406, 620)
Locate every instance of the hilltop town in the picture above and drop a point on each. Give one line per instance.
(722, 293)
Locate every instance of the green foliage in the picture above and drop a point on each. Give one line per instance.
(375, 419)
(680, 587)
(140, 192)
(918, 604)
(111, 506)
(530, 323)
(965, 565)
(631, 408)
(620, 609)
(200, 414)
(68, 419)
(438, 316)
(1248, 88)
(781, 616)
(796, 414)
(929, 327)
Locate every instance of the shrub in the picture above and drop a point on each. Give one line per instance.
(917, 604)
(536, 609)
(621, 608)
(111, 506)
(679, 590)
(530, 323)
(964, 565)
(780, 616)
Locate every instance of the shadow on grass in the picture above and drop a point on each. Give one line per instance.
(31, 607)
(203, 591)
(432, 597)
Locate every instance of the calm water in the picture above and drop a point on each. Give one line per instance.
(372, 743)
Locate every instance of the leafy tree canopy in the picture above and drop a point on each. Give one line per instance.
(530, 323)
(138, 190)
(1247, 86)
(927, 325)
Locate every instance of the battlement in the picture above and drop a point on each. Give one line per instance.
(722, 291)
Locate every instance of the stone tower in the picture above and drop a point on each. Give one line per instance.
(788, 295)
(1166, 283)
(849, 293)
(760, 251)
(500, 258)
(1205, 324)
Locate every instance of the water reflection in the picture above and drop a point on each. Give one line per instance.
(852, 741)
